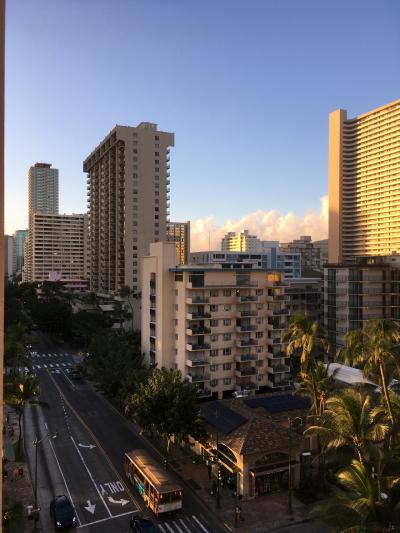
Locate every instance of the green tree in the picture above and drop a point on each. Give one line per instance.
(351, 421)
(15, 339)
(165, 404)
(324, 385)
(129, 295)
(374, 346)
(305, 337)
(18, 393)
(363, 506)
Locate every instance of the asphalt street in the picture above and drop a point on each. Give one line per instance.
(84, 461)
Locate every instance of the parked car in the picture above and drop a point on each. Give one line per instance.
(142, 525)
(241, 393)
(63, 513)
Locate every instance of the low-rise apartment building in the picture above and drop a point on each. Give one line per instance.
(220, 327)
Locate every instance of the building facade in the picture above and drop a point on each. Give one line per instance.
(9, 257)
(305, 295)
(56, 244)
(289, 263)
(313, 254)
(179, 233)
(368, 289)
(364, 185)
(220, 327)
(43, 188)
(19, 240)
(128, 203)
(244, 242)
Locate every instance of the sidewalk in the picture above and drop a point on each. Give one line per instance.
(17, 487)
(263, 514)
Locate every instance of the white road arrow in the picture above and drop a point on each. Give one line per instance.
(86, 445)
(121, 501)
(90, 507)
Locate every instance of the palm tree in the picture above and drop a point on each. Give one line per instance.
(305, 336)
(360, 506)
(324, 384)
(129, 295)
(351, 421)
(20, 392)
(376, 345)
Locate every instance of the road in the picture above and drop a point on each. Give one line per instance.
(84, 461)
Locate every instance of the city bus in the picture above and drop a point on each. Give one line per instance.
(159, 491)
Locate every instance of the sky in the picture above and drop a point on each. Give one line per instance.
(247, 87)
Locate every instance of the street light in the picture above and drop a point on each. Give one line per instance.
(36, 443)
(290, 504)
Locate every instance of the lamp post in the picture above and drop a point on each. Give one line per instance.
(36, 443)
(290, 503)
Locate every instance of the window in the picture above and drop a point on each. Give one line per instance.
(213, 353)
(178, 276)
(213, 308)
(259, 349)
(227, 381)
(213, 293)
(227, 336)
(227, 307)
(259, 334)
(259, 320)
(226, 351)
(156, 162)
(157, 137)
(259, 292)
(213, 323)
(259, 363)
(176, 336)
(176, 307)
(214, 382)
(156, 154)
(227, 366)
(259, 306)
(214, 338)
(213, 368)
(227, 292)
(259, 377)
(227, 322)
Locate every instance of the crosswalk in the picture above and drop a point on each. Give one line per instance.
(55, 365)
(48, 355)
(184, 524)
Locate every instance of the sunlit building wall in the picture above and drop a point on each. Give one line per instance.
(179, 233)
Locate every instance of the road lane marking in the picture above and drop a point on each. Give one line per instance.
(65, 482)
(72, 385)
(177, 527)
(63, 364)
(91, 477)
(184, 525)
(57, 364)
(121, 502)
(168, 527)
(91, 507)
(106, 519)
(44, 366)
(99, 446)
(200, 524)
(90, 446)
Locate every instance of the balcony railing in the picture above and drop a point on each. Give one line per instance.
(197, 316)
(191, 347)
(198, 331)
(197, 362)
(196, 378)
(279, 369)
(248, 312)
(197, 300)
(246, 357)
(243, 372)
(246, 342)
(244, 329)
(244, 299)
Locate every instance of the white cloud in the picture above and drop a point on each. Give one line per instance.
(267, 225)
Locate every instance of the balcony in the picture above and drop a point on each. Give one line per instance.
(198, 331)
(246, 342)
(246, 357)
(281, 384)
(191, 347)
(244, 299)
(197, 300)
(276, 355)
(280, 312)
(279, 369)
(244, 329)
(197, 362)
(244, 372)
(248, 312)
(197, 378)
(249, 385)
(197, 316)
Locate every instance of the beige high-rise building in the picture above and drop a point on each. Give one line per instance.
(364, 184)
(128, 203)
(56, 244)
(220, 327)
(240, 242)
(179, 233)
(43, 188)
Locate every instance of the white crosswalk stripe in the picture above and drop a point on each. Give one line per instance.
(183, 525)
(51, 365)
(69, 364)
(44, 366)
(63, 364)
(57, 364)
(37, 366)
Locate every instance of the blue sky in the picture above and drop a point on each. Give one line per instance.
(246, 86)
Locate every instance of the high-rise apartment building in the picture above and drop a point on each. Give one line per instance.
(179, 233)
(56, 244)
(364, 184)
(128, 203)
(220, 327)
(19, 240)
(43, 188)
(244, 242)
(367, 289)
(313, 254)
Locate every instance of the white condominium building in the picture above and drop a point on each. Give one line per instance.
(128, 203)
(43, 188)
(56, 244)
(364, 183)
(220, 327)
